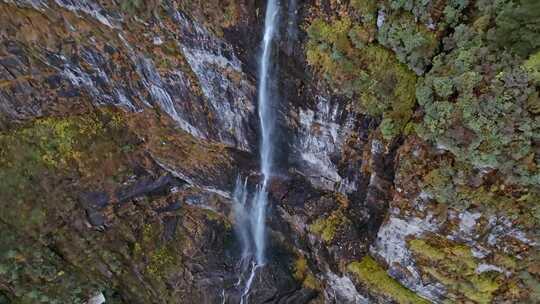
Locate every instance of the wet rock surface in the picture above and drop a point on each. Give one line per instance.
(125, 124)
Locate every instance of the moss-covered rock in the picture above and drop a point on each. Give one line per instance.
(455, 266)
(375, 278)
(302, 273)
(327, 227)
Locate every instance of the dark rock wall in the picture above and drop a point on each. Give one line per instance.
(407, 147)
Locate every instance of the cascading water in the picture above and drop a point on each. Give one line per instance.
(251, 220)
(267, 122)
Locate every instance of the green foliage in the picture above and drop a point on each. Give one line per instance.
(370, 273)
(427, 11)
(486, 118)
(389, 128)
(459, 186)
(517, 27)
(342, 52)
(443, 86)
(453, 12)
(413, 43)
(365, 7)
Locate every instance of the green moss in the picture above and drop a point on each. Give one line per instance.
(439, 183)
(178, 148)
(455, 267)
(131, 6)
(140, 8)
(327, 228)
(311, 282)
(505, 261)
(302, 273)
(158, 258)
(428, 251)
(218, 218)
(58, 142)
(161, 261)
(370, 273)
(300, 268)
(482, 288)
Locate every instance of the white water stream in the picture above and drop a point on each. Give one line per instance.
(251, 218)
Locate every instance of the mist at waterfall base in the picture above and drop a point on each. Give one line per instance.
(250, 215)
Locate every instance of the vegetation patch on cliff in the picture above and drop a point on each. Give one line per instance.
(375, 278)
(328, 227)
(341, 50)
(43, 164)
(483, 116)
(35, 156)
(455, 267)
(303, 274)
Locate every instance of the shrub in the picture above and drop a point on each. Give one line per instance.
(413, 43)
(484, 116)
(517, 27)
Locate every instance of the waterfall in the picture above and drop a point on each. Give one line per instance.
(267, 122)
(251, 220)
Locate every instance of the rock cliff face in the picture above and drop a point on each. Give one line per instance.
(408, 151)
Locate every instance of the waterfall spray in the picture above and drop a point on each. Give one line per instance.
(241, 216)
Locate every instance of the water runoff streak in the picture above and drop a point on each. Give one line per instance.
(251, 219)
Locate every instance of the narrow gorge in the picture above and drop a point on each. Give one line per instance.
(269, 151)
